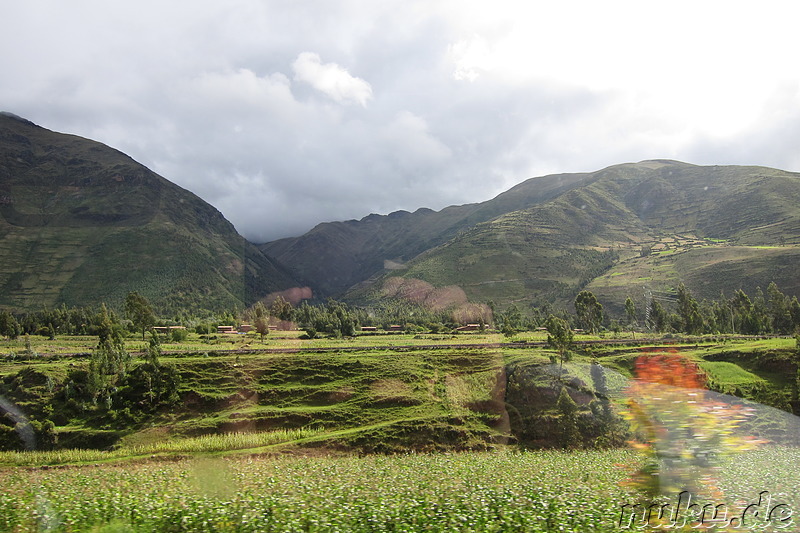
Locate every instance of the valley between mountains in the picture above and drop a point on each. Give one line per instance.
(83, 223)
(422, 330)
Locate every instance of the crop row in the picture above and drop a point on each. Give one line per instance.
(531, 491)
(201, 444)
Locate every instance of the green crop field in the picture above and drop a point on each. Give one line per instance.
(382, 432)
(505, 491)
(379, 390)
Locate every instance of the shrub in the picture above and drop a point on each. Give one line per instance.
(179, 335)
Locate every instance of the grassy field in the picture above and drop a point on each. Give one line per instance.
(373, 392)
(225, 442)
(385, 393)
(287, 441)
(290, 340)
(477, 492)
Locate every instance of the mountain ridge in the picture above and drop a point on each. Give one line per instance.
(81, 223)
(358, 249)
(543, 247)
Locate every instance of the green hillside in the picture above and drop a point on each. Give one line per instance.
(708, 268)
(82, 223)
(376, 394)
(714, 228)
(335, 256)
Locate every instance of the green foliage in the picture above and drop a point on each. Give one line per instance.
(559, 336)
(689, 311)
(589, 311)
(511, 321)
(29, 352)
(568, 433)
(148, 386)
(9, 327)
(335, 318)
(281, 309)
(259, 315)
(261, 325)
(739, 314)
(28, 434)
(659, 320)
(780, 309)
(139, 311)
(109, 361)
(178, 335)
(630, 310)
(151, 384)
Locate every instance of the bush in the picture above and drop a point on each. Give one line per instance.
(147, 387)
(436, 327)
(179, 335)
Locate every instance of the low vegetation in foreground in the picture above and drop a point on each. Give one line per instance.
(376, 393)
(286, 431)
(512, 491)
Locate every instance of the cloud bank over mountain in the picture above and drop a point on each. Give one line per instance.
(283, 115)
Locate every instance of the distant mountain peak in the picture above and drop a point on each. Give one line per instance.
(16, 117)
(548, 236)
(82, 223)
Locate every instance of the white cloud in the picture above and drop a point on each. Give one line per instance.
(243, 88)
(471, 57)
(331, 79)
(464, 98)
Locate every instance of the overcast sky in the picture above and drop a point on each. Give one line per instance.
(284, 114)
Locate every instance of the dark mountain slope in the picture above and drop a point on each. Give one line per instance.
(335, 256)
(82, 223)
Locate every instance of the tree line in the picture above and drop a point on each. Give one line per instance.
(112, 387)
(331, 317)
(740, 314)
(760, 313)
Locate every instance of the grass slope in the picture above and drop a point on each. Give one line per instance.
(372, 399)
(82, 223)
(711, 227)
(336, 256)
(375, 399)
(706, 268)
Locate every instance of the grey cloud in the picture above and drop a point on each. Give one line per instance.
(285, 115)
(771, 139)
